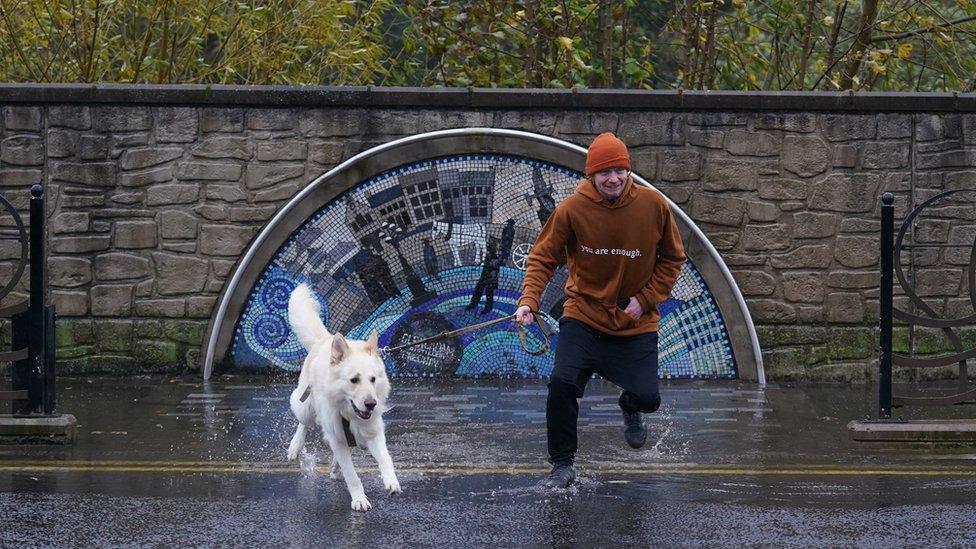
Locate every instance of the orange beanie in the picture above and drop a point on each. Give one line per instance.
(606, 151)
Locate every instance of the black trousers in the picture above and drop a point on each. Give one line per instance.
(629, 362)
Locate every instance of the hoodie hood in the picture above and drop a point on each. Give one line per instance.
(587, 188)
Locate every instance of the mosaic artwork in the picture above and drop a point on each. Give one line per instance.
(438, 245)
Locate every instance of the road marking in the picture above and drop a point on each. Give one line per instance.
(676, 469)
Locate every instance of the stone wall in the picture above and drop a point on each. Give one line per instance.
(154, 192)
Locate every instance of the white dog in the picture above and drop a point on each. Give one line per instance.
(340, 379)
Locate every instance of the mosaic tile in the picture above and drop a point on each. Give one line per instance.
(438, 245)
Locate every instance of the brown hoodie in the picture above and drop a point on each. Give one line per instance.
(614, 251)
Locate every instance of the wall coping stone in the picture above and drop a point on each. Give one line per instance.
(483, 98)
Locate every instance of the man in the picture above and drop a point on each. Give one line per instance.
(624, 254)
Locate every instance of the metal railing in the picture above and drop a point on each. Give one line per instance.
(32, 334)
(891, 267)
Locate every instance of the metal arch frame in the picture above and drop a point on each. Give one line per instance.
(215, 329)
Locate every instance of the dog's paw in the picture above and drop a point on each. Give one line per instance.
(392, 486)
(292, 453)
(361, 504)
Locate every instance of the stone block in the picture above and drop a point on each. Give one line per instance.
(260, 176)
(175, 124)
(135, 159)
(755, 282)
(161, 174)
(845, 127)
(803, 287)
(342, 122)
(717, 209)
(20, 177)
(164, 195)
(272, 119)
(894, 126)
(732, 175)
(252, 213)
(161, 308)
(746, 143)
(221, 120)
(805, 156)
(114, 119)
(846, 155)
(853, 279)
(182, 246)
(643, 162)
(22, 150)
(177, 224)
(843, 192)
(281, 191)
(135, 234)
(119, 266)
(844, 308)
(815, 225)
(211, 212)
(680, 165)
(271, 151)
(69, 272)
(17, 118)
(95, 174)
(709, 139)
(93, 147)
(766, 237)
(61, 143)
(114, 335)
(226, 193)
(200, 306)
(885, 156)
(724, 240)
(111, 300)
(589, 124)
(69, 116)
(70, 303)
(857, 251)
(189, 332)
(209, 171)
(804, 257)
(330, 153)
(224, 240)
(224, 146)
(79, 244)
(763, 211)
(790, 122)
(128, 199)
(70, 222)
(654, 128)
(938, 282)
(179, 274)
(771, 311)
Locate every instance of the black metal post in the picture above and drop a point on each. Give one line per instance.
(37, 384)
(886, 304)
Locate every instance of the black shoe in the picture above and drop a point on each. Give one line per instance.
(634, 431)
(561, 476)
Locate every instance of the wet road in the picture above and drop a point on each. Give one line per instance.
(174, 463)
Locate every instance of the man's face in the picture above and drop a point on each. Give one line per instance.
(610, 182)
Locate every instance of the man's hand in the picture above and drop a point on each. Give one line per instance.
(634, 309)
(523, 315)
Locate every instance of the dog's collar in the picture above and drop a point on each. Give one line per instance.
(305, 395)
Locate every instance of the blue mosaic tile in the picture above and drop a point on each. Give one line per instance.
(438, 245)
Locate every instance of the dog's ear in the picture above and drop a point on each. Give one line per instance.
(340, 348)
(372, 343)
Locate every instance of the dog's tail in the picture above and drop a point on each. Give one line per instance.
(303, 315)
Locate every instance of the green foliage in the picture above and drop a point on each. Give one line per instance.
(897, 45)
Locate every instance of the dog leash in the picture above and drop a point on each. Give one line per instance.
(523, 337)
(523, 340)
